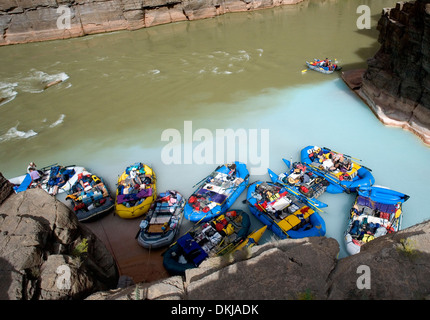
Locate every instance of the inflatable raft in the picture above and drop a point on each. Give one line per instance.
(89, 197)
(54, 179)
(284, 213)
(136, 191)
(323, 66)
(217, 192)
(217, 237)
(343, 173)
(302, 181)
(163, 220)
(375, 212)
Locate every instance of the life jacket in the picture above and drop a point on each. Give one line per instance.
(344, 176)
(390, 229)
(367, 237)
(96, 179)
(80, 206)
(228, 230)
(274, 197)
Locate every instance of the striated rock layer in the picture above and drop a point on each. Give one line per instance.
(24, 21)
(396, 84)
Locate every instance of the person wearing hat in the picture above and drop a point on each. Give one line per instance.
(35, 176)
(31, 165)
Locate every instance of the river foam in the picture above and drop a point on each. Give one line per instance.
(35, 81)
(14, 133)
(58, 122)
(7, 92)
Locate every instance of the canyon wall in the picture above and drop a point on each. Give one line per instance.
(396, 84)
(24, 21)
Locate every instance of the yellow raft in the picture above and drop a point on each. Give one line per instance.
(136, 191)
(251, 240)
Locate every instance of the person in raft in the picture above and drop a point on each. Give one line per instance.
(35, 176)
(31, 165)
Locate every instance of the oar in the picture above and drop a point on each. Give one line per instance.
(192, 227)
(47, 167)
(206, 176)
(346, 155)
(309, 201)
(303, 198)
(318, 172)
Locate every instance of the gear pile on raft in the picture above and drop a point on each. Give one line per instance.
(288, 204)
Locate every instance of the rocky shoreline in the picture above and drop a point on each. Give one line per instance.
(381, 104)
(42, 20)
(397, 266)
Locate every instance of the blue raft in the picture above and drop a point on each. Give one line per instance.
(303, 182)
(321, 66)
(375, 212)
(346, 177)
(217, 192)
(284, 213)
(216, 237)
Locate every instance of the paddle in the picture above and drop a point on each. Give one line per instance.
(206, 176)
(301, 197)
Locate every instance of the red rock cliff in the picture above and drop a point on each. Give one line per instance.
(36, 20)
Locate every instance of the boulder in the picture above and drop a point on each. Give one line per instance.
(398, 268)
(6, 188)
(395, 266)
(287, 269)
(45, 253)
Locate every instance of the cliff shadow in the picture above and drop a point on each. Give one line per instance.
(369, 51)
(6, 270)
